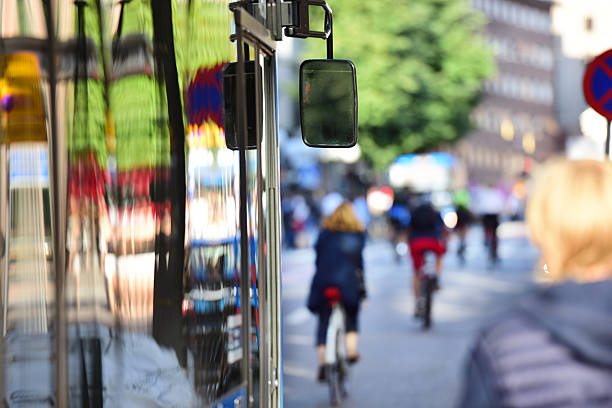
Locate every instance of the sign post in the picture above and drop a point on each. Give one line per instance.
(597, 87)
(608, 138)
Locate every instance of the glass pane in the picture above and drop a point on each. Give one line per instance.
(113, 116)
(211, 303)
(114, 181)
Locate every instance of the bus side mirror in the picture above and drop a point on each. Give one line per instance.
(328, 103)
(230, 105)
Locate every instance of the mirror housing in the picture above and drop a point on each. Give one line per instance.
(328, 103)
(230, 105)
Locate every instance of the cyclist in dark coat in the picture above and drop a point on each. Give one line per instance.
(339, 264)
(554, 348)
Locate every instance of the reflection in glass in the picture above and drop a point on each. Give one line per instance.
(118, 213)
(211, 304)
(27, 280)
(112, 119)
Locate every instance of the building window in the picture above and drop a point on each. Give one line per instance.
(505, 12)
(531, 19)
(514, 14)
(516, 87)
(486, 7)
(543, 22)
(524, 16)
(496, 9)
(525, 89)
(548, 22)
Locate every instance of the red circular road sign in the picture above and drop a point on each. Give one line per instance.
(597, 84)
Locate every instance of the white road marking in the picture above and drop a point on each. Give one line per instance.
(294, 371)
(298, 317)
(299, 340)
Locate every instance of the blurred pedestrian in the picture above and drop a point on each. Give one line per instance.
(399, 220)
(554, 348)
(339, 264)
(287, 218)
(491, 205)
(300, 215)
(461, 201)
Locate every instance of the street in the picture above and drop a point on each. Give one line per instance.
(401, 365)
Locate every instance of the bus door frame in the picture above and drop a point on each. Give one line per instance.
(251, 33)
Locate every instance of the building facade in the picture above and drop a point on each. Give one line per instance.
(516, 119)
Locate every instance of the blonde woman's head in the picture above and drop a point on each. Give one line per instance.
(570, 218)
(343, 219)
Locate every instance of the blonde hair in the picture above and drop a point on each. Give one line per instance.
(570, 216)
(343, 219)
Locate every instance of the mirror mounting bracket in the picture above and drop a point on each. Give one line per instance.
(295, 19)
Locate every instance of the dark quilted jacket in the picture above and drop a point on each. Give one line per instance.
(553, 350)
(339, 263)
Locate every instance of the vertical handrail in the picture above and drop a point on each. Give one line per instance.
(263, 242)
(273, 235)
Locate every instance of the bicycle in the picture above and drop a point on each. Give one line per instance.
(336, 367)
(428, 284)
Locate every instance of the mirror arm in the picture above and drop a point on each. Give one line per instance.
(330, 38)
(296, 21)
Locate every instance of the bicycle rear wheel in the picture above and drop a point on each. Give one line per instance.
(429, 283)
(336, 372)
(336, 369)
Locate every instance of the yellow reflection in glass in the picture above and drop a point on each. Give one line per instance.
(506, 130)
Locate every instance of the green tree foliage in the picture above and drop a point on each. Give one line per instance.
(420, 66)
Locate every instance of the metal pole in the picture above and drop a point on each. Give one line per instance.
(261, 237)
(607, 149)
(58, 227)
(273, 316)
(245, 301)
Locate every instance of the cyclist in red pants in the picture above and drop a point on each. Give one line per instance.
(426, 232)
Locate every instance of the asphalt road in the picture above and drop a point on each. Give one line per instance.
(402, 366)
